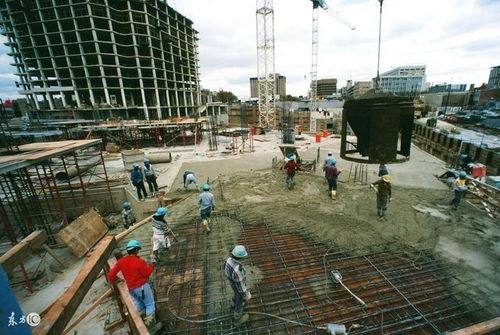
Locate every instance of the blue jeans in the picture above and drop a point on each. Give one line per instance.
(289, 180)
(205, 213)
(237, 299)
(144, 299)
(458, 197)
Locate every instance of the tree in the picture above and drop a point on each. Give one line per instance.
(289, 97)
(226, 96)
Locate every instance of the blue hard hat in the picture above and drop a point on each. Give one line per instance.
(206, 187)
(239, 251)
(463, 155)
(452, 170)
(135, 165)
(333, 162)
(126, 204)
(462, 174)
(132, 244)
(146, 160)
(161, 211)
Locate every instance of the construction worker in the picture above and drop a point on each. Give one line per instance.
(189, 178)
(150, 174)
(136, 273)
(137, 178)
(459, 188)
(382, 170)
(331, 174)
(236, 274)
(128, 215)
(328, 160)
(206, 201)
(161, 242)
(291, 166)
(383, 193)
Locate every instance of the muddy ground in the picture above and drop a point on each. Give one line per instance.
(417, 218)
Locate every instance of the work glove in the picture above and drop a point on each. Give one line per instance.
(248, 296)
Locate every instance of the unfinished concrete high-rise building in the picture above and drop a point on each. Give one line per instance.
(101, 58)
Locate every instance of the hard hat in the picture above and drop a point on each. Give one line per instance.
(126, 204)
(330, 153)
(135, 165)
(463, 156)
(206, 187)
(386, 178)
(462, 174)
(132, 244)
(161, 211)
(146, 160)
(452, 170)
(239, 251)
(333, 162)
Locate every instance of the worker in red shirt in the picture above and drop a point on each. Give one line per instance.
(291, 166)
(136, 272)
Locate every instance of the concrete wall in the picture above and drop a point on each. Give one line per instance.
(448, 148)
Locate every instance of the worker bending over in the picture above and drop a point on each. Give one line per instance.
(459, 188)
(128, 215)
(137, 178)
(161, 242)
(136, 273)
(150, 174)
(206, 201)
(383, 194)
(236, 275)
(189, 178)
(331, 175)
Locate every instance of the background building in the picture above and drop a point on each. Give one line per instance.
(280, 86)
(134, 59)
(441, 88)
(326, 87)
(494, 80)
(357, 90)
(403, 79)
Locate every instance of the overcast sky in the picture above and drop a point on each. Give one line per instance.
(458, 40)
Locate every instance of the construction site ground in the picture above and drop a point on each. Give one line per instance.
(419, 217)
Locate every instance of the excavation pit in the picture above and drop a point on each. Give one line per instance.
(406, 292)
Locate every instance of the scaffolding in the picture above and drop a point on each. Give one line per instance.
(406, 292)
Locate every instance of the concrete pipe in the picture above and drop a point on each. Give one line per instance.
(72, 171)
(157, 157)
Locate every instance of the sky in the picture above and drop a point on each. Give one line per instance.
(458, 41)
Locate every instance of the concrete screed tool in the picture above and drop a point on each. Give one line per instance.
(337, 277)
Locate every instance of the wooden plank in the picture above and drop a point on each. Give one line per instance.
(22, 250)
(135, 321)
(44, 145)
(83, 233)
(61, 312)
(82, 316)
(123, 234)
(485, 327)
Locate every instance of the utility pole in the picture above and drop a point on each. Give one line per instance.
(377, 81)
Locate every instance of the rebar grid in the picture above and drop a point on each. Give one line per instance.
(406, 292)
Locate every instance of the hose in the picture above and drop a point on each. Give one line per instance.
(230, 315)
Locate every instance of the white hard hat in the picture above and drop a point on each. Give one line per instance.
(330, 153)
(239, 251)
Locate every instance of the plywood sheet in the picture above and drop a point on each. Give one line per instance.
(83, 233)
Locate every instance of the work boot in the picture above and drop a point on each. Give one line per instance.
(240, 318)
(151, 324)
(334, 194)
(205, 225)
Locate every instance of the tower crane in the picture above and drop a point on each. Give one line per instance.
(314, 66)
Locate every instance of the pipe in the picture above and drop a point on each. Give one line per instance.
(72, 172)
(157, 157)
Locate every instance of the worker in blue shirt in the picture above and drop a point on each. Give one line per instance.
(137, 179)
(207, 203)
